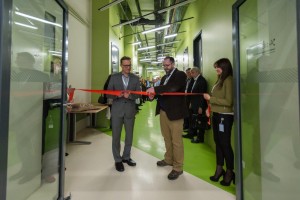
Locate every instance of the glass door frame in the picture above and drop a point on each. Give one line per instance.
(5, 70)
(237, 91)
(5, 63)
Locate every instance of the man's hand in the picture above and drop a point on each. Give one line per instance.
(151, 93)
(121, 94)
(126, 94)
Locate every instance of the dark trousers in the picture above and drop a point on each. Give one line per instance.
(223, 139)
(197, 125)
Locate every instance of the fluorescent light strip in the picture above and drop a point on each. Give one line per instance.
(129, 22)
(167, 43)
(170, 36)
(54, 52)
(175, 6)
(136, 43)
(25, 25)
(110, 4)
(155, 62)
(146, 59)
(156, 29)
(144, 48)
(150, 52)
(37, 19)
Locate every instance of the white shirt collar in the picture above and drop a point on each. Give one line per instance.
(195, 79)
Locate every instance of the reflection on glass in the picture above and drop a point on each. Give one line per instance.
(270, 100)
(35, 88)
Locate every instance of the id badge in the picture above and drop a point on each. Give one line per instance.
(221, 128)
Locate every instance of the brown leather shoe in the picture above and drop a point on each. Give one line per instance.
(162, 163)
(174, 174)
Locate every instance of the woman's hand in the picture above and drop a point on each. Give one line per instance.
(199, 111)
(206, 96)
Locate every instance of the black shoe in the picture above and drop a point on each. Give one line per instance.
(119, 166)
(130, 162)
(190, 136)
(197, 140)
(228, 177)
(174, 174)
(162, 163)
(219, 172)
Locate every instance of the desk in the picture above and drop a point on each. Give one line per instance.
(71, 126)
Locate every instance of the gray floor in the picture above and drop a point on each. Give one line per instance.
(91, 175)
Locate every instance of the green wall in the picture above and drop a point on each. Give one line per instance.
(103, 35)
(100, 46)
(214, 20)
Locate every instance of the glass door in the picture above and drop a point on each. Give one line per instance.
(268, 68)
(35, 147)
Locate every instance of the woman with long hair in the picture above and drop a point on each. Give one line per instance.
(221, 101)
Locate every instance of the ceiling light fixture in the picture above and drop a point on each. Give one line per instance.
(150, 52)
(158, 11)
(166, 25)
(25, 25)
(136, 43)
(156, 29)
(37, 19)
(156, 62)
(109, 5)
(56, 52)
(170, 36)
(144, 48)
(167, 43)
(145, 59)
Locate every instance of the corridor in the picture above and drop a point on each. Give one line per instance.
(91, 174)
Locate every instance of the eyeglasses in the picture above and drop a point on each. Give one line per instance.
(126, 65)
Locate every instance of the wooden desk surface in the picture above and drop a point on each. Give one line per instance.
(91, 108)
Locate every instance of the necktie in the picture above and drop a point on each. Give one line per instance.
(187, 84)
(125, 81)
(193, 85)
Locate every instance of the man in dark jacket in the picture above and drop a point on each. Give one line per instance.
(188, 87)
(197, 108)
(172, 110)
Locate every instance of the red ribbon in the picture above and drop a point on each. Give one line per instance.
(208, 112)
(71, 91)
(119, 92)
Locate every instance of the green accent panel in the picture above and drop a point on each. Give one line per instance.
(52, 134)
(102, 37)
(199, 158)
(100, 46)
(128, 48)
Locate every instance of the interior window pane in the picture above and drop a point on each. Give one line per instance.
(270, 100)
(35, 86)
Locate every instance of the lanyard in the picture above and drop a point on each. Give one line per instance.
(168, 77)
